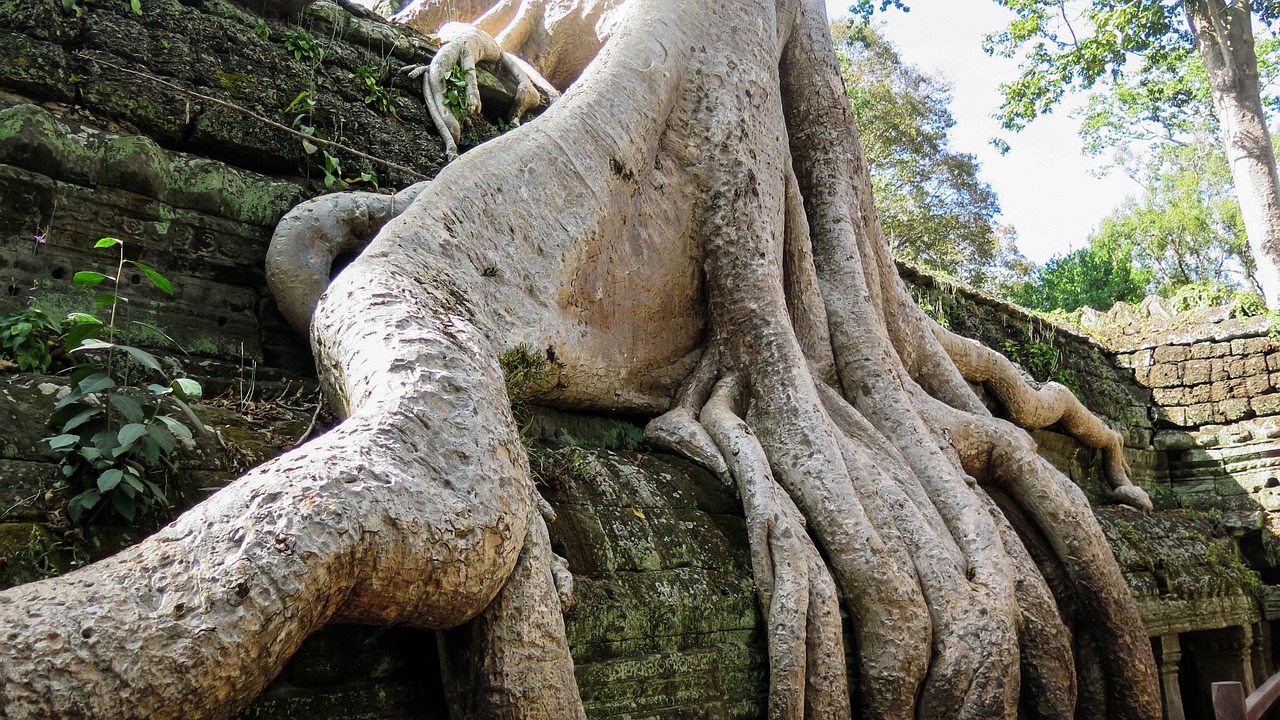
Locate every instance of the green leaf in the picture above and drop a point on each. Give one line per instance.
(191, 415)
(175, 427)
(163, 438)
(106, 300)
(60, 442)
(148, 448)
(156, 278)
(108, 480)
(87, 279)
(186, 388)
(144, 358)
(128, 406)
(81, 418)
(132, 480)
(129, 434)
(78, 334)
(126, 506)
(82, 503)
(156, 491)
(107, 242)
(94, 344)
(92, 383)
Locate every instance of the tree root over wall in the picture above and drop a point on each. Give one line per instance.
(692, 220)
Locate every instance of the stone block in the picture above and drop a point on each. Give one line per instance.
(1198, 394)
(1171, 353)
(1235, 367)
(1233, 409)
(1165, 375)
(1218, 370)
(1220, 390)
(1257, 345)
(1175, 415)
(1170, 396)
(1203, 350)
(1195, 372)
(1255, 364)
(1201, 414)
(1268, 404)
(1173, 440)
(1269, 498)
(1273, 361)
(1254, 385)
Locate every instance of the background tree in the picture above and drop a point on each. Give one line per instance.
(934, 209)
(1071, 44)
(1185, 226)
(1097, 275)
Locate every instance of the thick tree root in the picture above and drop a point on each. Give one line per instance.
(1039, 407)
(510, 663)
(313, 234)
(806, 651)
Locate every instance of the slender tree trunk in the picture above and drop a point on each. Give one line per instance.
(1224, 39)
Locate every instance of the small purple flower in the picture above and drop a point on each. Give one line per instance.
(39, 239)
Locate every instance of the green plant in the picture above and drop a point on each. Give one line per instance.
(303, 46)
(455, 92)
(376, 96)
(529, 374)
(26, 335)
(50, 556)
(262, 30)
(113, 438)
(134, 5)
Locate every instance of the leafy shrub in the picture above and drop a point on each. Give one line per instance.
(376, 96)
(26, 335)
(455, 92)
(113, 438)
(303, 46)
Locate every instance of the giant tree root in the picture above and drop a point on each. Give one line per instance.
(697, 199)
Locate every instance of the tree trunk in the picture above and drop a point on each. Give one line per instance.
(1224, 39)
(693, 221)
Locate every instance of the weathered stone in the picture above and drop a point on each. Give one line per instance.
(1195, 372)
(1236, 367)
(1165, 375)
(1233, 409)
(1170, 395)
(1203, 350)
(1171, 353)
(1218, 370)
(1202, 414)
(1173, 440)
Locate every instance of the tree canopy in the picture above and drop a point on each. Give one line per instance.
(1070, 45)
(934, 209)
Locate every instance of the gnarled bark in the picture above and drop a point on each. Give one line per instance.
(692, 221)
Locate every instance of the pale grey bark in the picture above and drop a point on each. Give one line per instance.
(1224, 40)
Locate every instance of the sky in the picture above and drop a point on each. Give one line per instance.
(1046, 186)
